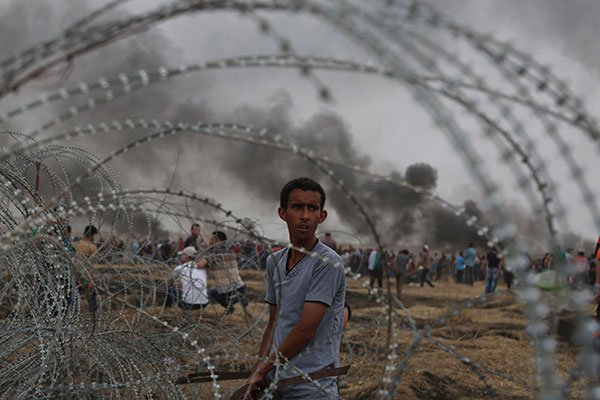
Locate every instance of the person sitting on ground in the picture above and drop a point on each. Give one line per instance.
(194, 293)
(222, 264)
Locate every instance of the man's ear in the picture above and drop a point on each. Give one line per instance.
(323, 216)
(282, 213)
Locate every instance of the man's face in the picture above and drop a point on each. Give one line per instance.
(303, 214)
(213, 240)
(195, 231)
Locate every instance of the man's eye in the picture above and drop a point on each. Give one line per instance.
(313, 208)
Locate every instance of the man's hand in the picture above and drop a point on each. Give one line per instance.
(255, 381)
(256, 377)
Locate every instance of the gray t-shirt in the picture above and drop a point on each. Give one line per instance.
(310, 280)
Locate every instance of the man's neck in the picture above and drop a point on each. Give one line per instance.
(296, 256)
(305, 244)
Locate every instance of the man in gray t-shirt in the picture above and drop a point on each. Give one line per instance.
(311, 280)
(306, 294)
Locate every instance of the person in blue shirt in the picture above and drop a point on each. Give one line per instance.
(470, 256)
(460, 267)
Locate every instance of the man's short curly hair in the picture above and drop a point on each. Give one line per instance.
(302, 184)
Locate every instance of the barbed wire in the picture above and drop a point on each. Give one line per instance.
(58, 342)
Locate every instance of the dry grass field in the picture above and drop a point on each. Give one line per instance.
(491, 334)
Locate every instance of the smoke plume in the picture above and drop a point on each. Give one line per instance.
(261, 172)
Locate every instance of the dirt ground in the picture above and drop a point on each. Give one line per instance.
(491, 334)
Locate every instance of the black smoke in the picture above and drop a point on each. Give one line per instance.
(449, 229)
(396, 211)
(261, 172)
(421, 174)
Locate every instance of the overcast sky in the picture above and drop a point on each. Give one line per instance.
(380, 116)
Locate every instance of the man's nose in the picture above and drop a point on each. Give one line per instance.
(304, 212)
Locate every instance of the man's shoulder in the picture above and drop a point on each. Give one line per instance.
(276, 256)
(280, 252)
(325, 251)
(189, 264)
(178, 268)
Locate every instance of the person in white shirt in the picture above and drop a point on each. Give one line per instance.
(194, 293)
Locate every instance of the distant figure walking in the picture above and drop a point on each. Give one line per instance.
(401, 264)
(376, 268)
(493, 270)
(425, 265)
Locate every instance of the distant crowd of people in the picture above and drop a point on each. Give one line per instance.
(167, 250)
(196, 261)
(579, 269)
(461, 266)
(464, 267)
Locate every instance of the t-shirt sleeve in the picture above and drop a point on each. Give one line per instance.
(176, 272)
(325, 282)
(271, 298)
